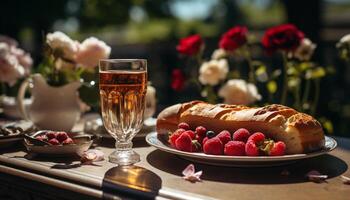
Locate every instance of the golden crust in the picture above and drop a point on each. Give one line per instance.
(301, 131)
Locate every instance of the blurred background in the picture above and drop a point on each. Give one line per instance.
(151, 29)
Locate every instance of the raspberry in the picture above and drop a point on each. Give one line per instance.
(68, 141)
(174, 136)
(184, 125)
(278, 149)
(234, 148)
(204, 140)
(251, 149)
(192, 134)
(184, 142)
(61, 136)
(241, 134)
(213, 146)
(224, 136)
(201, 131)
(50, 135)
(54, 141)
(257, 137)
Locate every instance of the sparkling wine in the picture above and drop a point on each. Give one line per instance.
(122, 95)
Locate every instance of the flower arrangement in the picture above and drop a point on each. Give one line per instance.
(65, 60)
(15, 63)
(233, 75)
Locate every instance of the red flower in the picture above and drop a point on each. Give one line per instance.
(284, 37)
(190, 45)
(234, 38)
(177, 80)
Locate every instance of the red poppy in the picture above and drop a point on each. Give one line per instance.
(177, 80)
(286, 37)
(234, 38)
(190, 45)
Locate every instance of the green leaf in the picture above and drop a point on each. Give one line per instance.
(293, 82)
(271, 87)
(327, 125)
(261, 74)
(276, 73)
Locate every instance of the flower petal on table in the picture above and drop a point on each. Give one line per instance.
(190, 174)
(345, 179)
(316, 176)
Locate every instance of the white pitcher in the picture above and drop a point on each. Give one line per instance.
(52, 108)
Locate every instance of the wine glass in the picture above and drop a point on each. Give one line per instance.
(123, 85)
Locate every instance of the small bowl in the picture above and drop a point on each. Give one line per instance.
(81, 143)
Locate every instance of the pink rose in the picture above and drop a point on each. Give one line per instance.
(23, 58)
(91, 51)
(10, 69)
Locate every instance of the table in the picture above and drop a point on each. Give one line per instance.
(67, 180)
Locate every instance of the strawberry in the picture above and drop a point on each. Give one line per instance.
(224, 136)
(50, 135)
(61, 136)
(184, 142)
(251, 149)
(174, 136)
(234, 148)
(278, 149)
(241, 134)
(204, 140)
(191, 133)
(54, 141)
(200, 133)
(213, 146)
(68, 141)
(184, 125)
(257, 137)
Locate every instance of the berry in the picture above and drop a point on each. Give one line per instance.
(241, 134)
(184, 142)
(174, 136)
(50, 135)
(224, 136)
(257, 137)
(41, 137)
(201, 131)
(204, 140)
(278, 149)
(213, 146)
(234, 148)
(54, 141)
(184, 125)
(192, 134)
(251, 149)
(68, 141)
(61, 136)
(210, 134)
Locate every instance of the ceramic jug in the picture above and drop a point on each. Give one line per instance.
(52, 108)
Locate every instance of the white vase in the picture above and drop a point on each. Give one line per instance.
(52, 108)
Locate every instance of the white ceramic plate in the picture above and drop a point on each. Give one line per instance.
(240, 161)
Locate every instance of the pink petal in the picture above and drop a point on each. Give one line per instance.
(91, 156)
(189, 170)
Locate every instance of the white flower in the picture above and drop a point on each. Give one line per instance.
(150, 102)
(60, 41)
(218, 54)
(305, 50)
(345, 39)
(91, 51)
(238, 91)
(10, 69)
(212, 72)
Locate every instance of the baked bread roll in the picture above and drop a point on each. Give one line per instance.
(300, 132)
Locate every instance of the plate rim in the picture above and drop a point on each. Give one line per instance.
(239, 158)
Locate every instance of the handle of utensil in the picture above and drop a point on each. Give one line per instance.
(20, 98)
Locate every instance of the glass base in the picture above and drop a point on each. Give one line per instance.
(123, 156)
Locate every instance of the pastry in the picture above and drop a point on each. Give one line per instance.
(300, 132)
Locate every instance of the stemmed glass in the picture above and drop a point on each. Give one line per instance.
(123, 85)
